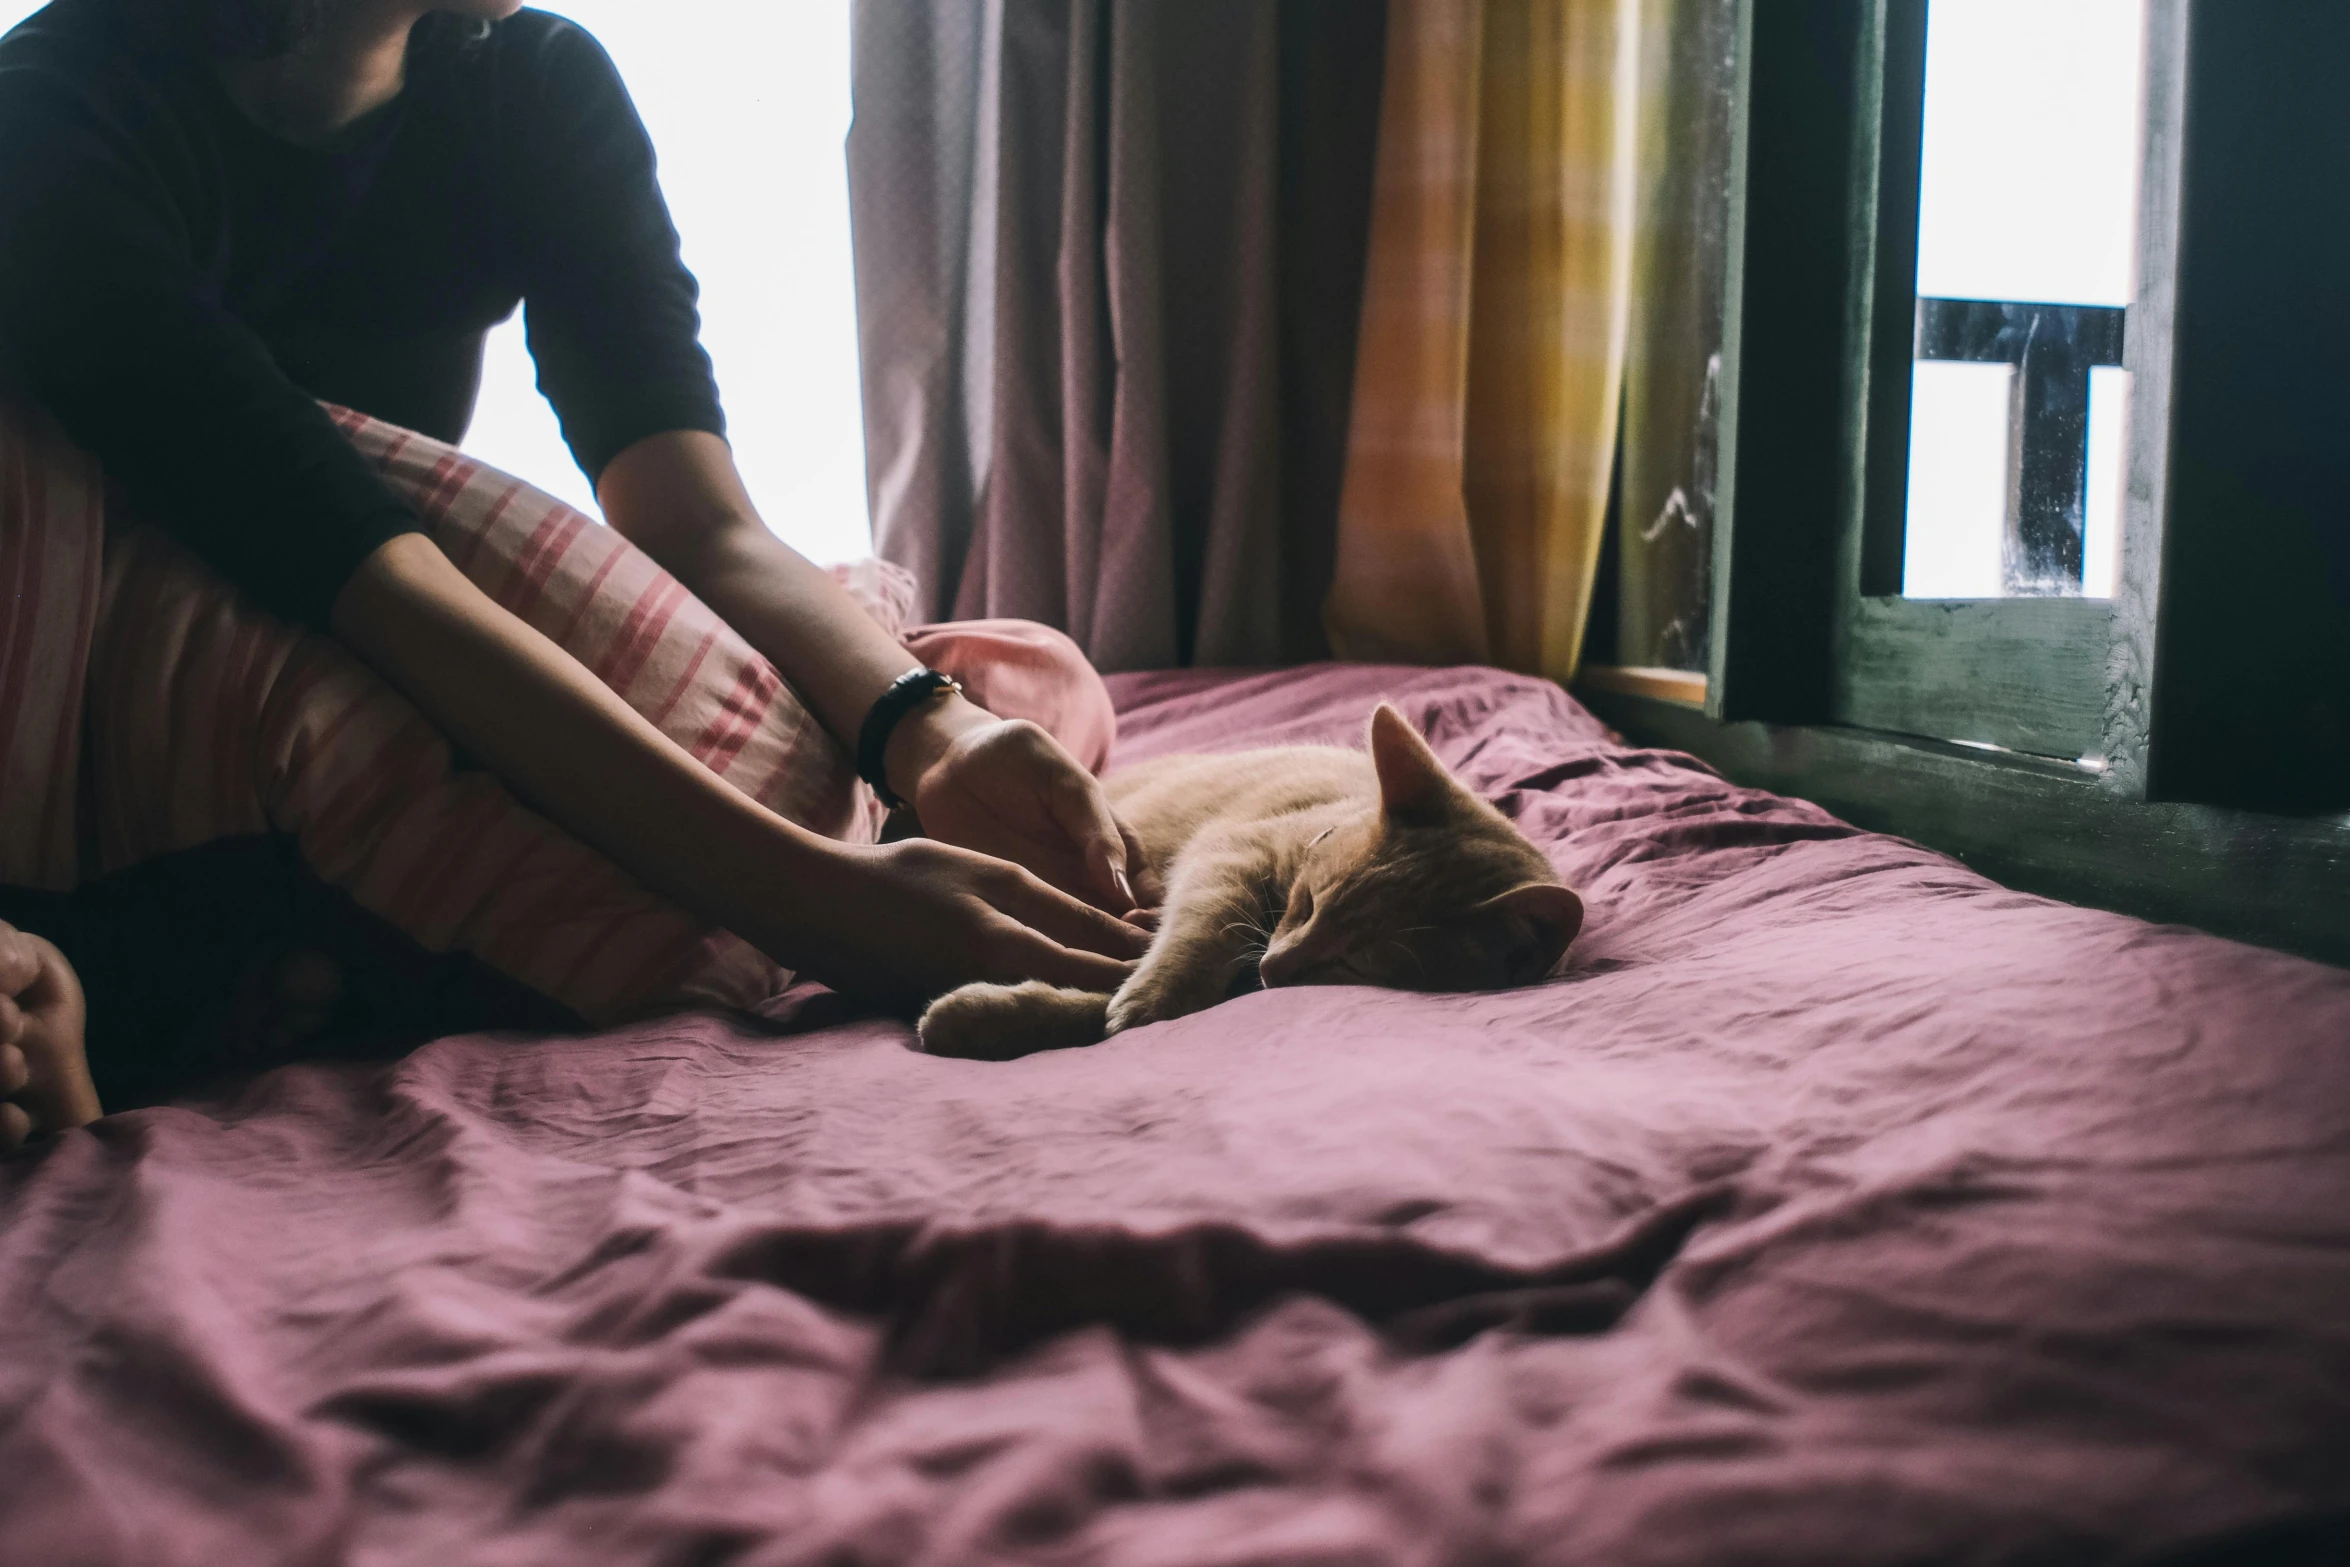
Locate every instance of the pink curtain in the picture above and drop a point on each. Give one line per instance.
(1109, 260)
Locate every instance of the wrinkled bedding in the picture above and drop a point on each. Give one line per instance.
(1835, 1206)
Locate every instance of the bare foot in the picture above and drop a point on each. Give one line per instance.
(44, 1074)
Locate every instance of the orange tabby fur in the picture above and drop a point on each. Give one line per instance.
(1308, 865)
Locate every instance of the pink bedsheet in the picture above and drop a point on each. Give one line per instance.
(1837, 1206)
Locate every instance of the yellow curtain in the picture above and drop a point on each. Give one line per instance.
(1495, 304)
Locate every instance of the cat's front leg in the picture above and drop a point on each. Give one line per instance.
(1005, 1022)
(1215, 921)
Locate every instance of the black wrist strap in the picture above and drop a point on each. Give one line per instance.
(909, 691)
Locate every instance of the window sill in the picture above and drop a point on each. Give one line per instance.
(1683, 687)
(2047, 828)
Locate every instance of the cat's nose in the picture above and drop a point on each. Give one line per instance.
(1278, 966)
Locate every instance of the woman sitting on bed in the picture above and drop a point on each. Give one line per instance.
(218, 212)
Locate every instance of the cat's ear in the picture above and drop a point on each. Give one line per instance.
(1414, 788)
(1540, 920)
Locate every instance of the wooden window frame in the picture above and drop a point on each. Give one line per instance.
(2027, 673)
(2184, 812)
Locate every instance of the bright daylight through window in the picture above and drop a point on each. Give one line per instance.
(2027, 262)
(747, 102)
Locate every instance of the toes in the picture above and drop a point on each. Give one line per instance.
(15, 1127)
(15, 1072)
(20, 961)
(11, 1020)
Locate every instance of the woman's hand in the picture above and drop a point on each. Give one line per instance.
(1005, 787)
(913, 920)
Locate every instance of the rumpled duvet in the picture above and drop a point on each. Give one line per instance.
(1834, 1205)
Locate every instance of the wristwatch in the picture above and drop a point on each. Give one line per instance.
(904, 694)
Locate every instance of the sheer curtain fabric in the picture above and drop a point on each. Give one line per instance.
(1490, 368)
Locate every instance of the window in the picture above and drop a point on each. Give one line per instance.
(1992, 395)
(2166, 731)
(2026, 266)
(1865, 366)
(747, 102)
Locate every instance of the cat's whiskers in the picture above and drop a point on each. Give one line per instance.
(1251, 836)
(1258, 940)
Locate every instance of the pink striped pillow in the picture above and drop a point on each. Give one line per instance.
(139, 688)
(146, 706)
(604, 602)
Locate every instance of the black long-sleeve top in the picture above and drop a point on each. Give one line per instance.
(178, 286)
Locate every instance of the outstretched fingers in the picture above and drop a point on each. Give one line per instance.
(1149, 890)
(1102, 841)
(1056, 938)
(1071, 922)
(1027, 955)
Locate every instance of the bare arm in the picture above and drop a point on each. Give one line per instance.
(678, 498)
(1006, 790)
(863, 917)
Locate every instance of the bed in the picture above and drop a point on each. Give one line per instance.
(1835, 1206)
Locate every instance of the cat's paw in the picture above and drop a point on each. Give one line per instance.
(1004, 1022)
(1148, 999)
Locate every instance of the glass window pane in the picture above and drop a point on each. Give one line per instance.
(2029, 184)
(1673, 367)
(2109, 480)
(1960, 416)
(2027, 263)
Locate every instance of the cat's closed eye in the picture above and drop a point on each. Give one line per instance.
(1310, 866)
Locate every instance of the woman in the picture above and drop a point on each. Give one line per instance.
(217, 212)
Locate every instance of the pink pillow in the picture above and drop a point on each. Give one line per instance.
(193, 715)
(146, 705)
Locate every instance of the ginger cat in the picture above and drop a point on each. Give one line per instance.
(1308, 865)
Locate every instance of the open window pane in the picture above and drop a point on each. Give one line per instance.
(2027, 261)
(2109, 480)
(1673, 366)
(1958, 480)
